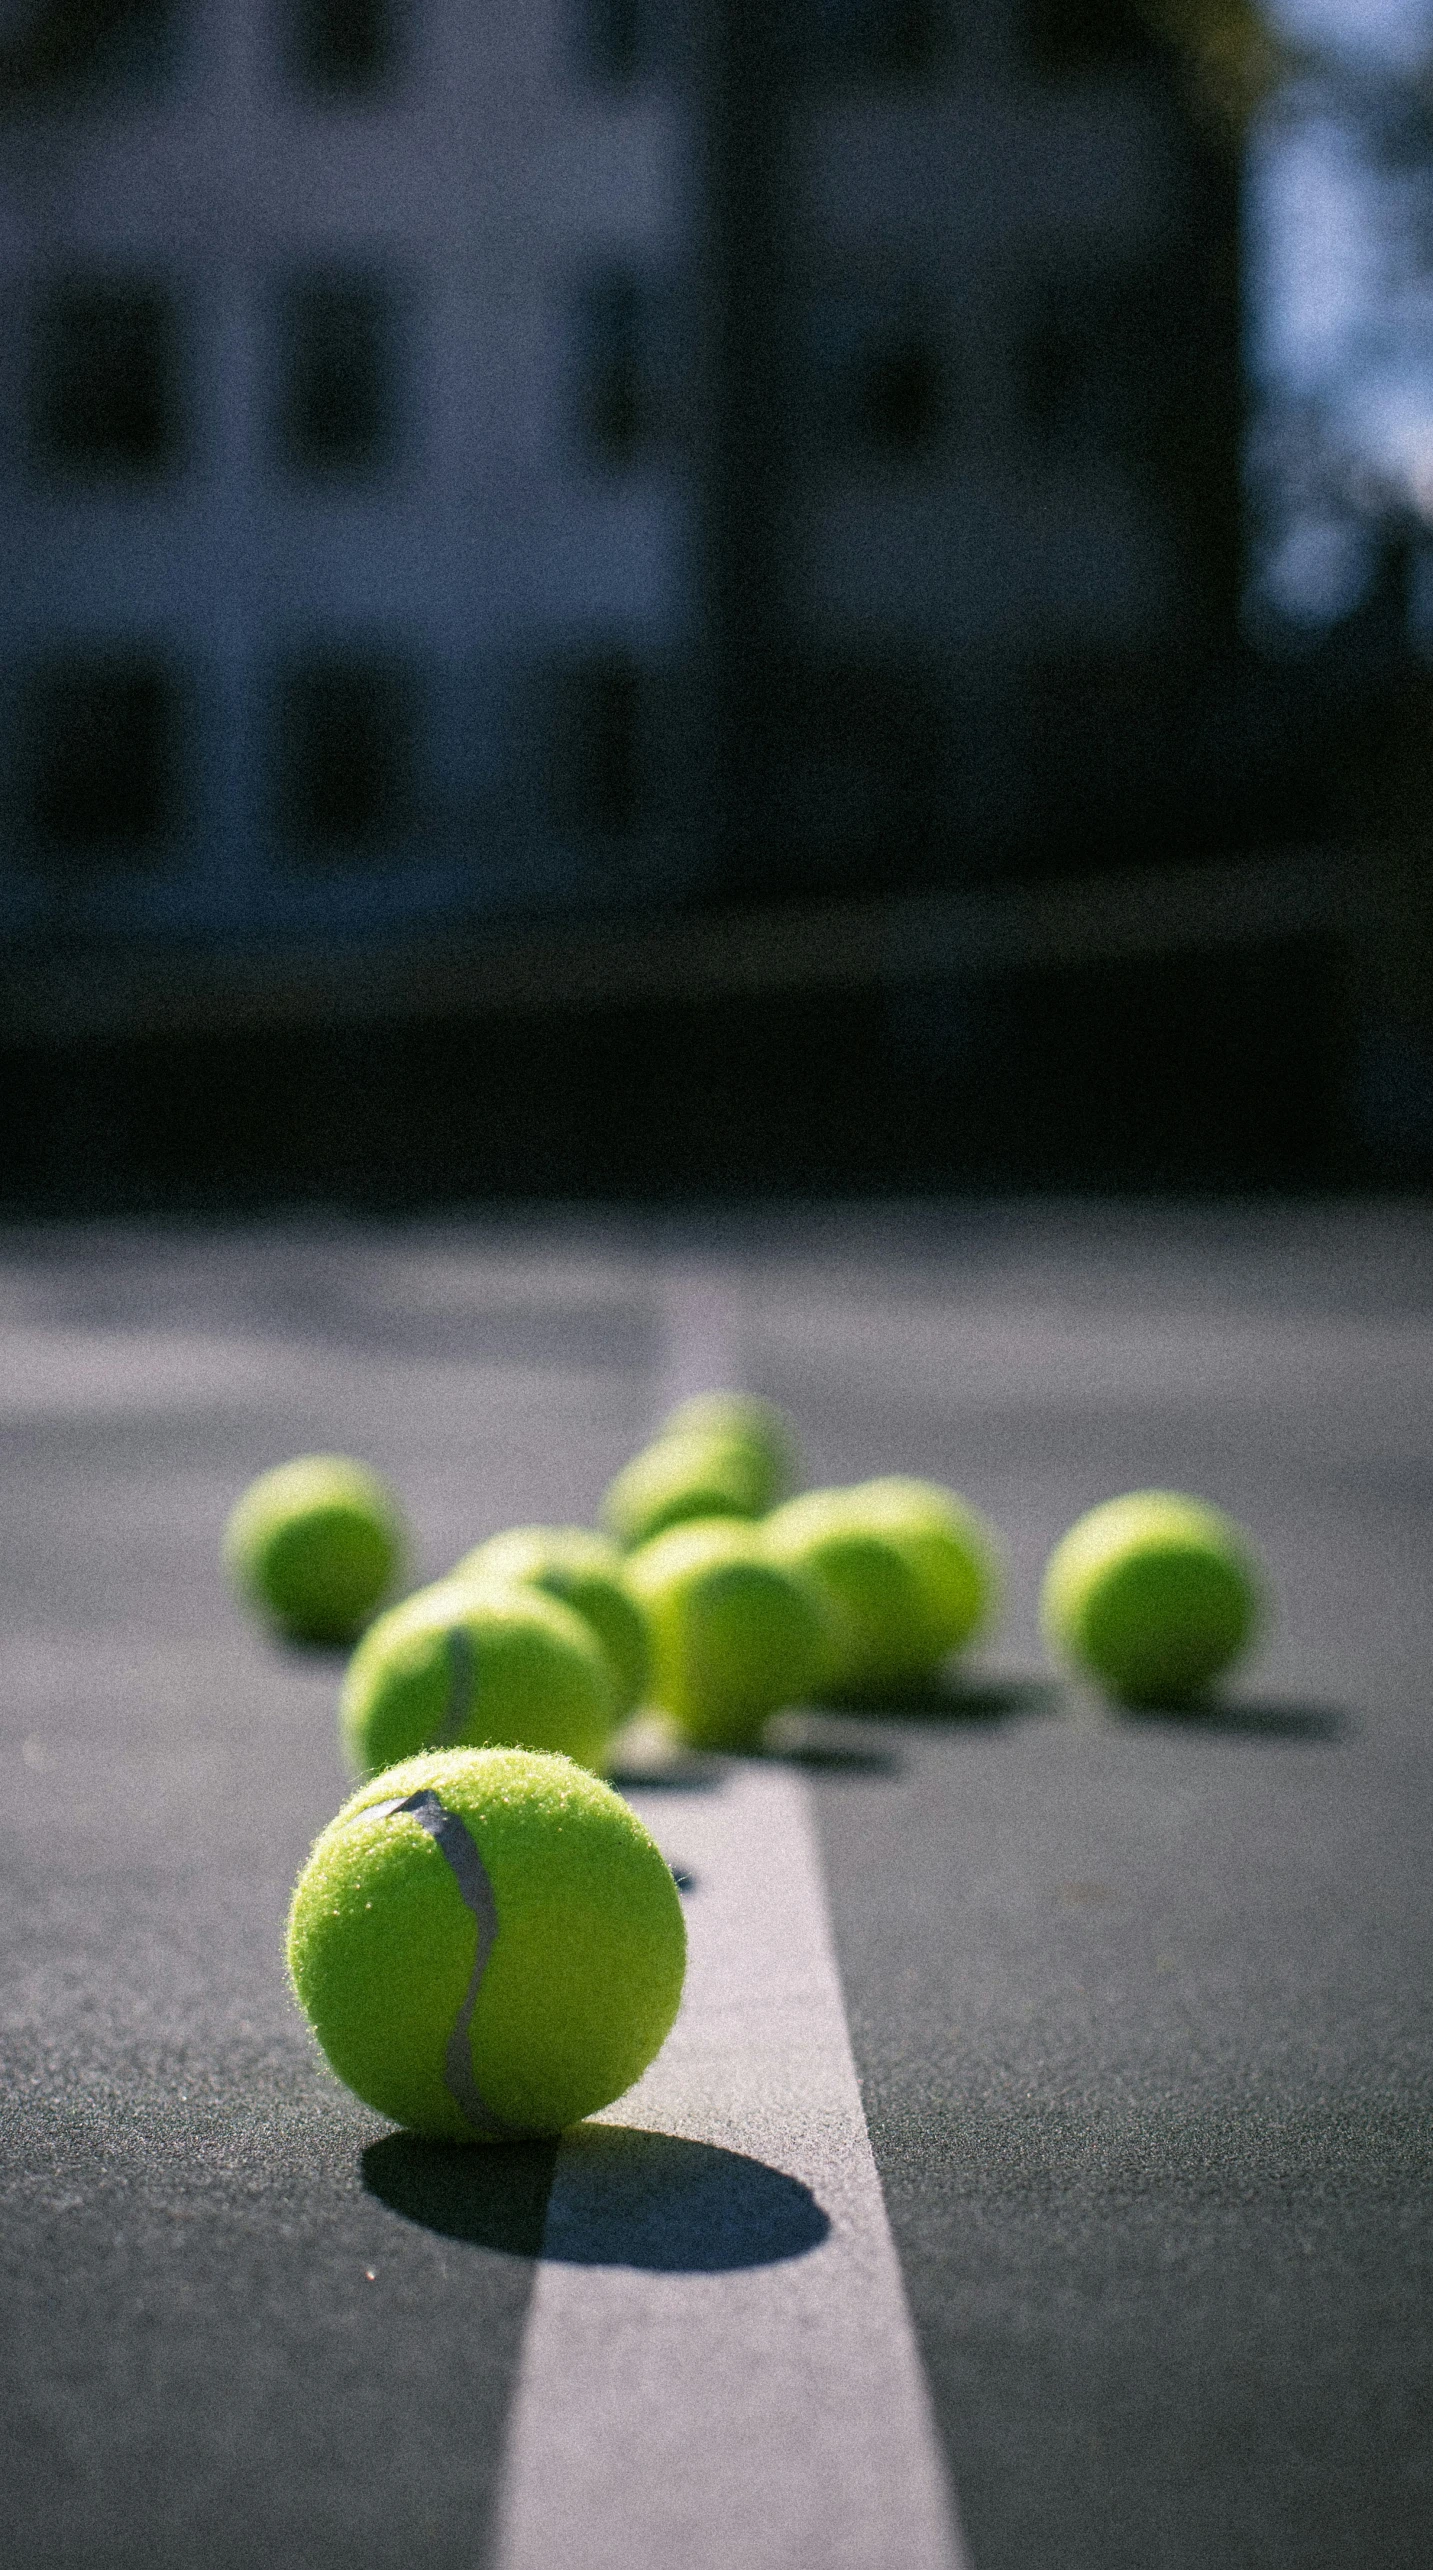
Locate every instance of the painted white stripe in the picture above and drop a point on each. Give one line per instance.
(704, 1336)
(769, 2415)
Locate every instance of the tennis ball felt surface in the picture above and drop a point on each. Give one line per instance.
(955, 1555)
(734, 1635)
(316, 1546)
(464, 1664)
(754, 1422)
(693, 1473)
(487, 1943)
(583, 1571)
(886, 1635)
(1153, 1595)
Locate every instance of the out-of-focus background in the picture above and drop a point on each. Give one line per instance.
(651, 597)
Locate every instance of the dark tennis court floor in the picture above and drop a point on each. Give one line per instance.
(1140, 2007)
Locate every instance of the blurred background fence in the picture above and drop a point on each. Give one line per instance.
(616, 597)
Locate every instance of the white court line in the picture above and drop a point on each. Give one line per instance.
(770, 2415)
(704, 1336)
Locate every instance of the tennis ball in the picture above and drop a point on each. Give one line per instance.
(487, 1944)
(316, 1546)
(744, 1415)
(697, 1473)
(734, 1634)
(955, 1555)
(586, 1573)
(1152, 1595)
(462, 1664)
(886, 1635)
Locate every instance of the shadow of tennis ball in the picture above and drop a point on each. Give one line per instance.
(629, 2198)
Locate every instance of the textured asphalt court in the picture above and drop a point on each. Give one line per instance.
(1139, 2268)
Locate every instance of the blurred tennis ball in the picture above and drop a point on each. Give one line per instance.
(693, 1473)
(754, 1422)
(955, 1554)
(316, 1546)
(487, 1944)
(885, 1635)
(468, 1664)
(735, 1635)
(583, 1571)
(1153, 1595)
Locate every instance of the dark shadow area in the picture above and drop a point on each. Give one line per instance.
(994, 1699)
(312, 1654)
(680, 1770)
(628, 2199)
(1256, 1721)
(495, 2196)
(834, 1755)
(977, 1699)
(1116, 1077)
(812, 1737)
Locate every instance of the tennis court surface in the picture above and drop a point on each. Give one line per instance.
(1038, 2177)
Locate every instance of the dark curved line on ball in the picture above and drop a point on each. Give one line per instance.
(459, 1849)
(462, 1694)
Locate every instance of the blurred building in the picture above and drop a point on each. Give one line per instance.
(333, 521)
(990, 260)
(455, 462)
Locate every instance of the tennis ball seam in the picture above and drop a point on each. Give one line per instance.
(463, 1857)
(423, 1672)
(582, 1980)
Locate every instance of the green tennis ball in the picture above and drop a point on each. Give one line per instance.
(743, 1415)
(696, 1474)
(487, 1944)
(586, 1573)
(734, 1635)
(316, 1546)
(460, 1664)
(1152, 1595)
(886, 1634)
(954, 1553)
